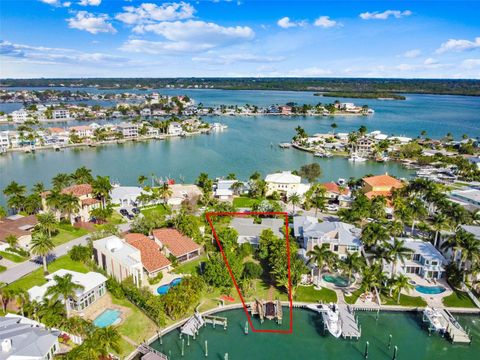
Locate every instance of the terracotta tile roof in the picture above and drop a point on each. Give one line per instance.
(90, 201)
(372, 194)
(78, 190)
(333, 187)
(18, 227)
(177, 243)
(55, 130)
(150, 252)
(383, 180)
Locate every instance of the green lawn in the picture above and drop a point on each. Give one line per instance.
(405, 300)
(67, 232)
(12, 257)
(458, 299)
(159, 209)
(309, 294)
(190, 267)
(2, 268)
(243, 202)
(352, 299)
(116, 219)
(37, 278)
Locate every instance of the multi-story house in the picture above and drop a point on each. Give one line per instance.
(60, 114)
(283, 183)
(175, 128)
(128, 130)
(380, 185)
(119, 259)
(19, 116)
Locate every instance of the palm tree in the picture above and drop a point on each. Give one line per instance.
(373, 233)
(61, 181)
(47, 223)
(12, 240)
(397, 251)
(417, 211)
(401, 282)
(82, 176)
(64, 287)
(316, 197)
(22, 298)
(41, 245)
(322, 256)
(6, 295)
(439, 223)
(69, 205)
(16, 195)
(295, 200)
(38, 188)
(141, 179)
(165, 192)
(101, 187)
(353, 263)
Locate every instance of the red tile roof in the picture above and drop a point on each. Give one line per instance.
(372, 194)
(334, 188)
(177, 243)
(90, 201)
(383, 180)
(78, 190)
(150, 252)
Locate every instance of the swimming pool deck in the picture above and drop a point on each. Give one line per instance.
(102, 304)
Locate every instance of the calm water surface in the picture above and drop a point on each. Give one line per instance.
(308, 342)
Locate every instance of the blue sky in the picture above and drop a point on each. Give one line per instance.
(130, 38)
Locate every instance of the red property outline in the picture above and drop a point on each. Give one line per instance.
(209, 215)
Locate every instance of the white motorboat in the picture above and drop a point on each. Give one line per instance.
(435, 319)
(356, 158)
(341, 181)
(330, 317)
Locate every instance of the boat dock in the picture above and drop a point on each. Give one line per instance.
(267, 309)
(192, 325)
(454, 330)
(149, 353)
(350, 327)
(215, 320)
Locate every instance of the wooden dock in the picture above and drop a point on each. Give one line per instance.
(454, 330)
(149, 353)
(267, 309)
(350, 327)
(215, 320)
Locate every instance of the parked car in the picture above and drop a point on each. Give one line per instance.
(130, 216)
(332, 207)
(136, 211)
(124, 212)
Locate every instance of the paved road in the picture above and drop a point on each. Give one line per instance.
(22, 269)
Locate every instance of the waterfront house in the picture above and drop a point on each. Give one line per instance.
(249, 231)
(21, 339)
(153, 260)
(175, 244)
(285, 110)
(128, 129)
(86, 203)
(58, 114)
(19, 226)
(223, 189)
(183, 193)
(19, 116)
(145, 113)
(82, 131)
(93, 288)
(335, 192)
(125, 195)
(175, 128)
(339, 237)
(4, 142)
(282, 183)
(119, 259)
(364, 147)
(380, 185)
(425, 260)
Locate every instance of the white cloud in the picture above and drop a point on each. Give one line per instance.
(325, 21)
(57, 3)
(198, 33)
(235, 58)
(430, 61)
(163, 47)
(148, 13)
(48, 55)
(90, 2)
(412, 53)
(471, 63)
(455, 45)
(286, 23)
(377, 15)
(92, 23)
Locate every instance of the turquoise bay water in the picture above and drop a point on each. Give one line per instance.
(250, 143)
(308, 341)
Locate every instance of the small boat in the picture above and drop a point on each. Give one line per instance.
(285, 145)
(324, 154)
(341, 181)
(356, 158)
(435, 319)
(330, 317)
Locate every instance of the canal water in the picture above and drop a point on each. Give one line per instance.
(308, 340)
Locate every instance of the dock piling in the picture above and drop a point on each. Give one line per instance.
(206, 348)
(366, 350)
(395, 349)
(389, 341)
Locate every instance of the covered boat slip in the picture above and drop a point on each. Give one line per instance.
(271, 310)
(442, 321)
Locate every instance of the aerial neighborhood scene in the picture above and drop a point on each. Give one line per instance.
(239, 180)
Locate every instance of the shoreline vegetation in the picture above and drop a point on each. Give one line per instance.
(398, 86)
(363, 95)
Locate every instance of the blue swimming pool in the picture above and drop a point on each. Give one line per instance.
(162, 290)
(107, 318)
(430, 290)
